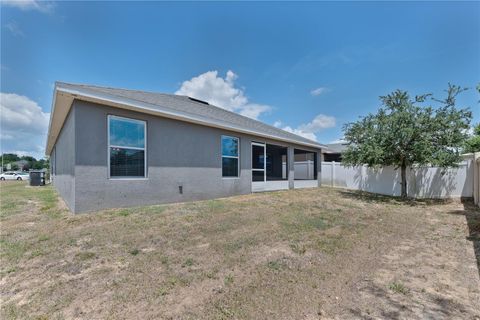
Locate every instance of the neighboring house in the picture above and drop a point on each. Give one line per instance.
(120, 148)
(17, 165)
(333, 152)
(21, 164)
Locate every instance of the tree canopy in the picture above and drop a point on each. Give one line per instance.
(32, 163)
(403, 133)
(10, 157)
(473, 143)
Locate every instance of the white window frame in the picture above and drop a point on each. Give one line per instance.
(237, 157)
(109, 146)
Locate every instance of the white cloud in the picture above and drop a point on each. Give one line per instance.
(222, 92)
(319, 91)
(308, 135)
(277, 124)
(23, 125)
(13, 27)
(320, 122)
(310, 130)
(42, 6)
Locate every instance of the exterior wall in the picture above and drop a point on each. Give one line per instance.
(63, 162)
(178, 154)
(422, 182)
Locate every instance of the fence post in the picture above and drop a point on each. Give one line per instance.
(319, 157)
(476, 178)
(291, 167)
(333, 173)
(363, 174)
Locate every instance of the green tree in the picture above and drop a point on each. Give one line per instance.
(40, 164)
(9, 157)
(403, 133)
(473, 143)
(478, 89)
(32, 162)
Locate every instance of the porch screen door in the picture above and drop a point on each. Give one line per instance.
(258, 162)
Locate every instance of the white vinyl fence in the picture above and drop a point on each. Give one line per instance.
(422, 182)
(476, 178)
(304, 170)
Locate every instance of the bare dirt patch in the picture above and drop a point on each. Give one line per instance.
(301, 254)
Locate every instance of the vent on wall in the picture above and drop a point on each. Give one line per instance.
(197, 100)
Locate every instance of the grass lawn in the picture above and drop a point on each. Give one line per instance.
(301, 254)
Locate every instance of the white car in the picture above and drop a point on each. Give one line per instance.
(11, 175)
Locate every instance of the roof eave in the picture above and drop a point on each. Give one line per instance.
(52, 112)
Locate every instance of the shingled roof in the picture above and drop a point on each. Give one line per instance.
(168, 105)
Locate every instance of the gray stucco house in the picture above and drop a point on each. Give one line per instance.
(114, 148)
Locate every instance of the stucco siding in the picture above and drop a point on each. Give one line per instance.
(178, 154)
(64, 162)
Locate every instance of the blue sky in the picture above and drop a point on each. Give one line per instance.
(307, 67)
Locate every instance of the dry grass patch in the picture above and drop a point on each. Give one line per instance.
(285, 254)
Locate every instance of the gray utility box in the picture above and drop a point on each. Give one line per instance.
(37, 178)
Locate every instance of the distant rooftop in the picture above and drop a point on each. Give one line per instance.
(335, 147)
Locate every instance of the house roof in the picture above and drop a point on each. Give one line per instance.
(166, 105)
(335, 147)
